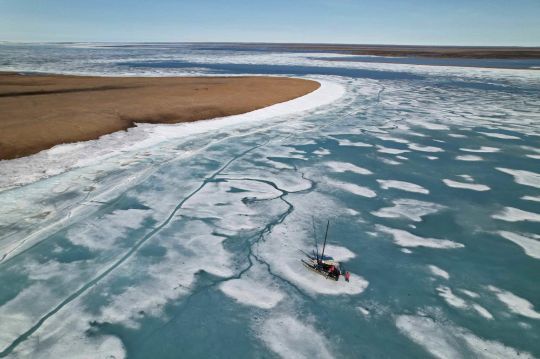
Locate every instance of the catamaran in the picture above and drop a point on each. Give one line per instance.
(325, 265)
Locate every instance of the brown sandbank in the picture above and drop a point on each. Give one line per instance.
(432, 51)
(464, 52)
(40, 111)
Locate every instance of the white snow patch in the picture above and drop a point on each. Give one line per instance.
(405, 239)
(461, 185)
(450, 298)
(469, 293)
(417, 147)
(390, 162)
(531, 198)
(340, 254)
(321, 152)
(445, 340)
(252, 292)
(392, 151)
(408, 208)
(526, 178)
(530, 148)
(345, 142)
(457, 302)
(118, 222)
(482, 311)
(500, 135)
(429, 335)
(288, 337)
(363, 310)
(352, 212)
(430, 125)
(255, 288)
(511, 214)
(392, 139)
(469, 158)
(530, 242)
(533, 149)
(483, 149)
(515, 304)
(347, 167)
(353, 188)
(438, 271)
(402, 185)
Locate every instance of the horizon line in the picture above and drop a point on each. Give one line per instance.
(270, 43)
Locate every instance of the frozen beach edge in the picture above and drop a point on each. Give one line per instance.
(64, 157)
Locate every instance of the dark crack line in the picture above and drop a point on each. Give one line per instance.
(268, 228)
(257, 238)
(111, 203)
(106, 206)
(8, 350)
(380, 93)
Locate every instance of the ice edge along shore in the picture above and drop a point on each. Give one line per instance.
(64, 157)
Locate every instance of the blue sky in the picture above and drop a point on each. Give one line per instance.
(438, 22)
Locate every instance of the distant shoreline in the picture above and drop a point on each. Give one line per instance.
(425, 51)
(463, 52)
(41, 111)
(421, 51)
(501, 64)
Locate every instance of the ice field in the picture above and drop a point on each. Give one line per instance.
(185, 240)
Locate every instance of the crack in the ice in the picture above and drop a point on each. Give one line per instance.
(380, 93)
(257, 238)
(127, 255)
(66, 218)
(153, 169)
(119, 262)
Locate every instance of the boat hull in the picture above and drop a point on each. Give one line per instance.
(313, 268)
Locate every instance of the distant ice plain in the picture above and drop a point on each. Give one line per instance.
(128, 238)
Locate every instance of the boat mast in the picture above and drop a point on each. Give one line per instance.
(325, 236)
(315, 235)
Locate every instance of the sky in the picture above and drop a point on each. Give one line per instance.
(401, 22)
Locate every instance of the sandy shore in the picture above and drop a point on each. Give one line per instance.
(41, 111)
